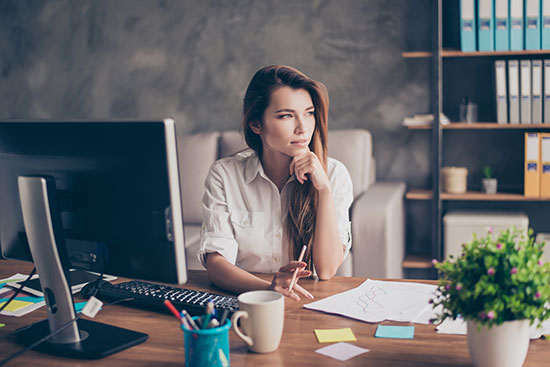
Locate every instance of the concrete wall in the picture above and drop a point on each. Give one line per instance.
(192, 60)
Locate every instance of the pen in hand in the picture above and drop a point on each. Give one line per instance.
(300, 258)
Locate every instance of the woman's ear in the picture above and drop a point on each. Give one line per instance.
(255, 127)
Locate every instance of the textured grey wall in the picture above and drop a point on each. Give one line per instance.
(192, 60)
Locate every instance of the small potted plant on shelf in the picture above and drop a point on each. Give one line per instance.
(488, 182)
(500, 286)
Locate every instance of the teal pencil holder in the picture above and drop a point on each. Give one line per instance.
(207, 347)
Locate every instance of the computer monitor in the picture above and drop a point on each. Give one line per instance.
(93, 195)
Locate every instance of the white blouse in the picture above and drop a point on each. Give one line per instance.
(244, 213)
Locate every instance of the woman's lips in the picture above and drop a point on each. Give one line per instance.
(301, 143)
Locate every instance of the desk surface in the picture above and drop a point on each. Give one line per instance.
(165, 344)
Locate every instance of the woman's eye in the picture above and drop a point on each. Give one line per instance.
(310, 113)
(285, 116)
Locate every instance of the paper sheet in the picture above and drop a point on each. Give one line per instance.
(20, 306)
(334, 335)
(376, 301)
(342, 351)
(14, 278)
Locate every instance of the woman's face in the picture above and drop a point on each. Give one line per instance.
(288, 122)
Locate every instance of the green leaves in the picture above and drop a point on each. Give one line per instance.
(496, 279)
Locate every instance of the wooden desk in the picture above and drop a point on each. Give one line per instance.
(165, 344)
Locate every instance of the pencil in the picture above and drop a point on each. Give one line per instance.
(172, 309)
(190, 321)
(208, 315)
(300, 258)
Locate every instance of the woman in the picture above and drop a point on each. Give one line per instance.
(263, 204)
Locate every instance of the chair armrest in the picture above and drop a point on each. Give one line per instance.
(378, 231)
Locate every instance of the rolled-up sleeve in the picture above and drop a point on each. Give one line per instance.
(217, 231)
(342, 189)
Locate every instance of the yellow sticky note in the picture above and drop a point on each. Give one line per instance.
(16, 305)
(334, 335)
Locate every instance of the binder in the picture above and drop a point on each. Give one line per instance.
(546, 91)
(516, 25)
(532, 24)
(502, 25)
(545, 25)
(531, 186)
(536, 92)
(525, 90)
(513, 90)
(467, 25)
(545, 165)
(485, 25)
(500, 80)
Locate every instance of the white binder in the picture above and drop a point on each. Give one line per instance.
(500, 80)
(536, 92)
(546, 91)
(513, 90)
(525, 90)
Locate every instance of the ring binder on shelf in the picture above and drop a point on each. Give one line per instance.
(536, 92)
(525, 108)
(500, 79)
(513, 90)
(516, 25)
(532, 24)
(502, 25)
(485, 25)
(467, 25)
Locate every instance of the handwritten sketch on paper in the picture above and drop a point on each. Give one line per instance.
(376, 301)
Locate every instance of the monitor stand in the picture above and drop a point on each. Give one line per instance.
(82, 339)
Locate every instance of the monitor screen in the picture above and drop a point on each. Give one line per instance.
(117, 190)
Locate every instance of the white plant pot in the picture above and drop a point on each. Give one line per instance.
(500, 346)
(489, 185)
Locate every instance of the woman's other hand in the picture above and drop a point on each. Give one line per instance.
(282, 279)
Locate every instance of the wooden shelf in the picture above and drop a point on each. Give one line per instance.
(458, 53)
(423, 194)
(419, 194)
(417, 262)
(482, 126)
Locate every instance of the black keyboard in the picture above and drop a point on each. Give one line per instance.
(152, 296)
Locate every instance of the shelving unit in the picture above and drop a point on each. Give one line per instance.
(483, 126)
(422, 194)
(458, 53)
(481, 65)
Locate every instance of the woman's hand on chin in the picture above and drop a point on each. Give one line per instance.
(306, 166)
(282, 279)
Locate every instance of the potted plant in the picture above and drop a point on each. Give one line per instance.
(500, 286)
(489, 183)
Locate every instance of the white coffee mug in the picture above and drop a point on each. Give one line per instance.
(262, 315)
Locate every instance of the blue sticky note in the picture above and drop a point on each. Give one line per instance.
(79, 306)
(395, 332)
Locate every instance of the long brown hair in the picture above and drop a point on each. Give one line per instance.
(303, 199)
